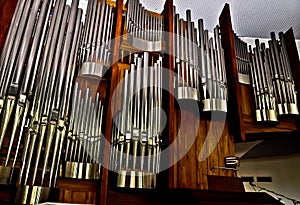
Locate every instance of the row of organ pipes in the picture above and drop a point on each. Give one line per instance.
(143, 24)
(267, 68)
(83, 145)
(45, 113)
(136, 140)
(41, 124)
(200, 64)
(96, 38)
(144, 28)
(243, 60)
(200, 67)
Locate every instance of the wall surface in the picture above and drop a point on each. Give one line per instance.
(284, 171)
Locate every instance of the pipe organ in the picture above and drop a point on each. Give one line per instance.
(137, 131)
(95, 53)
(83, 144)
(144, 27)
(46, 45)
(52, 122)
(243, 60)
(268, 69)
(200, 64)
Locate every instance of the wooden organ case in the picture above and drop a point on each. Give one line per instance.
(166, 63)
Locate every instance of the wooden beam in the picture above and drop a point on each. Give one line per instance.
(234, 114)
(114, 70)
(169, 80)
(294, 60)
(7, 8)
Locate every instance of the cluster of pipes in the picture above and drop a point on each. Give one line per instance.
(136, 140)
(199, 64)
(83, 147)
(272, 80)
(268, 70)
(243, 60)
(96, 39)
(45, 114)
(39, 103)
(145, 27)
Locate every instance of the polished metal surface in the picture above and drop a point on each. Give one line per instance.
(207, 104)
(188, 93)
(81, 170)
(8, 108)
(22, 195)
(258, 115)
(272, 115)
(199, 64)
(136, 146)
(272, 80)
(136, 179)
(5, 175)
(39, 64)
(19, 111)
(145, 45)
(244, 78)
(68, 170)
(223, 105)
(242, 60)
(93, 68)
(32, 195)
(293, 109)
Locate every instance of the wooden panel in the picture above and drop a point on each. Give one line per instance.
(284, 125)
(7, 8)
(169, 83)
(7, 194)
(201, 165)
(294, 59)
(232, 198)
(188, 196)
(187, 168)
(224, 183)
(77, 191)
(189, 171)
(234, 90)
(113, 81)
(241, 109)
(287, 124)
(248, 100)
(134, 197)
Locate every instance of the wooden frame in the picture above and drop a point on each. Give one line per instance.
(238, 125)
(241, 98)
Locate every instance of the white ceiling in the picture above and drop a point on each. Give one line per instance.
(250, 18)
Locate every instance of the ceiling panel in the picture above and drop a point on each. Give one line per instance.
(250, 18)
